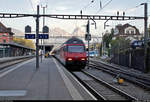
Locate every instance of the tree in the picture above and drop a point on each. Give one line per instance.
(120, 43)
(24, 42)
(108, 37)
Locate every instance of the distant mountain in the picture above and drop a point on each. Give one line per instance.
(58, 32)
(78, 32)
(17, 32)
(54, 32)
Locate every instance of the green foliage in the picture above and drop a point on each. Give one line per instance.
(120, 43)
(108, 37)
(24, 42)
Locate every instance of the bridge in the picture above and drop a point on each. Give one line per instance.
(55, 41)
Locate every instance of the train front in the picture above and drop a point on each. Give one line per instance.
(76, 55)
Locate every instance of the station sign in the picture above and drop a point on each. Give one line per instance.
(43, 36)
(29, 36)
(40, 36)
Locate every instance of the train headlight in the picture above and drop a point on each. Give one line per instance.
(69, 59)
(83, 59)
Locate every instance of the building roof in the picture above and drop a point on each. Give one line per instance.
(128, 25)
(4, 29)
(121, 29)
(16, 45)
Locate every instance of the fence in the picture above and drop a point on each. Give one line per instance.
(133, 58)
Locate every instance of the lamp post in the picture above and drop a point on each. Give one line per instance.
(88, 34)
(43, 47)
(146, 69)
(37, 38)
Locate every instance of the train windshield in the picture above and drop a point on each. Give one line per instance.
(76, 48)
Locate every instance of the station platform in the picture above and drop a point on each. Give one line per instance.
(51, 81)
(6, 59)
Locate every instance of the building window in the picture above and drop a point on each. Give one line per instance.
(127, 32)
(4, 40)
(132, 32)
(4, 35)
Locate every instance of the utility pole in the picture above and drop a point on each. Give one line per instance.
(43, 47)
(88, 32)
(37, 39)
(88, 36)
(146, 69)
(102, 45)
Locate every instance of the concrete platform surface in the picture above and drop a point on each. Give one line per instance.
(50, 82)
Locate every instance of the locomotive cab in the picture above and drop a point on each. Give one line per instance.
(76, 55)
(73, 53)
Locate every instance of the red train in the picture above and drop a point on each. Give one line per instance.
(73, 53)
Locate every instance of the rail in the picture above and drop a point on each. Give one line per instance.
(136, 78)
(6, 62)
(8, 59)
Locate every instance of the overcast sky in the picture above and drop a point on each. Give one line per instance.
(109, 7)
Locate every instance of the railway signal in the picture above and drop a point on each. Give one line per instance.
(27, 29)
(88, 37)
(45, 29)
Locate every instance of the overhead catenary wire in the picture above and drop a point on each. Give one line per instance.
(88, 5)
(46, 2)
(129, 10)
(84, 8)
(31, 5)
(102, 7)
(132, 9)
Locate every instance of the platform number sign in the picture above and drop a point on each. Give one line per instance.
(29, 36)
(43, 36)
(40, 36)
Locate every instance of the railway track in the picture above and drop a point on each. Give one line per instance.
(6, 64)
(101, 89)
(136, 78)
(101, 85)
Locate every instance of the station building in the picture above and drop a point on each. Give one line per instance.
(128, 31)
(8, 48)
